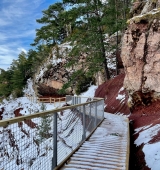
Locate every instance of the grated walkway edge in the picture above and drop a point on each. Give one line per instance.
(106, 149)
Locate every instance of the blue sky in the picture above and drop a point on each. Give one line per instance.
(17, 27)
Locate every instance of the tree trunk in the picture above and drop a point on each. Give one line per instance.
(104, 55)
(105, 63)
(116, 38)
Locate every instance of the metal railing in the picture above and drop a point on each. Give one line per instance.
(45, 140)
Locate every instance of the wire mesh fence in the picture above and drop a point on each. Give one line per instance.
(27, 144)
(43, 140)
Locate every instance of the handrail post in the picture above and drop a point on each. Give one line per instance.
(90, 111)
(84, 123)
(77, 100)
(95, 114)
(103, 107)
(54, 158)
(79, 103)
(72, 100)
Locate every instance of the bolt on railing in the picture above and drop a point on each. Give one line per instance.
(45, 140)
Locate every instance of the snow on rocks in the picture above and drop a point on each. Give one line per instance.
(28, 90)
(120, 96)
(151, 150)
(147, 134)
(62, 50)
(21, 144)
(21, 102)
(90, 92)
(152, 155)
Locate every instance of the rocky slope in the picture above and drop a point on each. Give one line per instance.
(115, 95)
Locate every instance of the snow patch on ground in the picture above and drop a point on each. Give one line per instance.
(22, 102)
(24, 151)
(146, 135)
(142, 128)
(152, 155)
(90, 92)
(151, 151)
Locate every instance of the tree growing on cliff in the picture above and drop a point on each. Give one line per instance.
(53, 30)
(89, 34)
(92, 21)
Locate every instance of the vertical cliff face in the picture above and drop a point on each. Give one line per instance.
(141, 54)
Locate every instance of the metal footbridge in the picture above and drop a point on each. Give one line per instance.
(77, 136)
(106, 149)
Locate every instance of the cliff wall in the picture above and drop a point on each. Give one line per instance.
(141, 53)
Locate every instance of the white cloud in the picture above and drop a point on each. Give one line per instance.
(38, 2)
(21, 49)
(7, 54)
(12, 12)
(3, 37)
(17, 27)
(3, 22)
(10, 52)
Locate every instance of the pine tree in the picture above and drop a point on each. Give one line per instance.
(5, 85)
(52, 31)
(45, 126)
(18, 78)
(88, 35)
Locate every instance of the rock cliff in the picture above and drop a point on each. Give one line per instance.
(53, 73)
(141, 53)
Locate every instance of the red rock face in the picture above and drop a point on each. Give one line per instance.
(141, 59)
(109, 91)
(30, 123)
(140, 116)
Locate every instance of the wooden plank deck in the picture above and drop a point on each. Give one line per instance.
(106, 149)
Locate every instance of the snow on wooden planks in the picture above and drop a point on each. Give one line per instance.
(107, 148)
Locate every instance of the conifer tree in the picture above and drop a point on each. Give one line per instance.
(52, 31)
(45, 126)
(88, 36)
(18, 79)
(5, 85)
